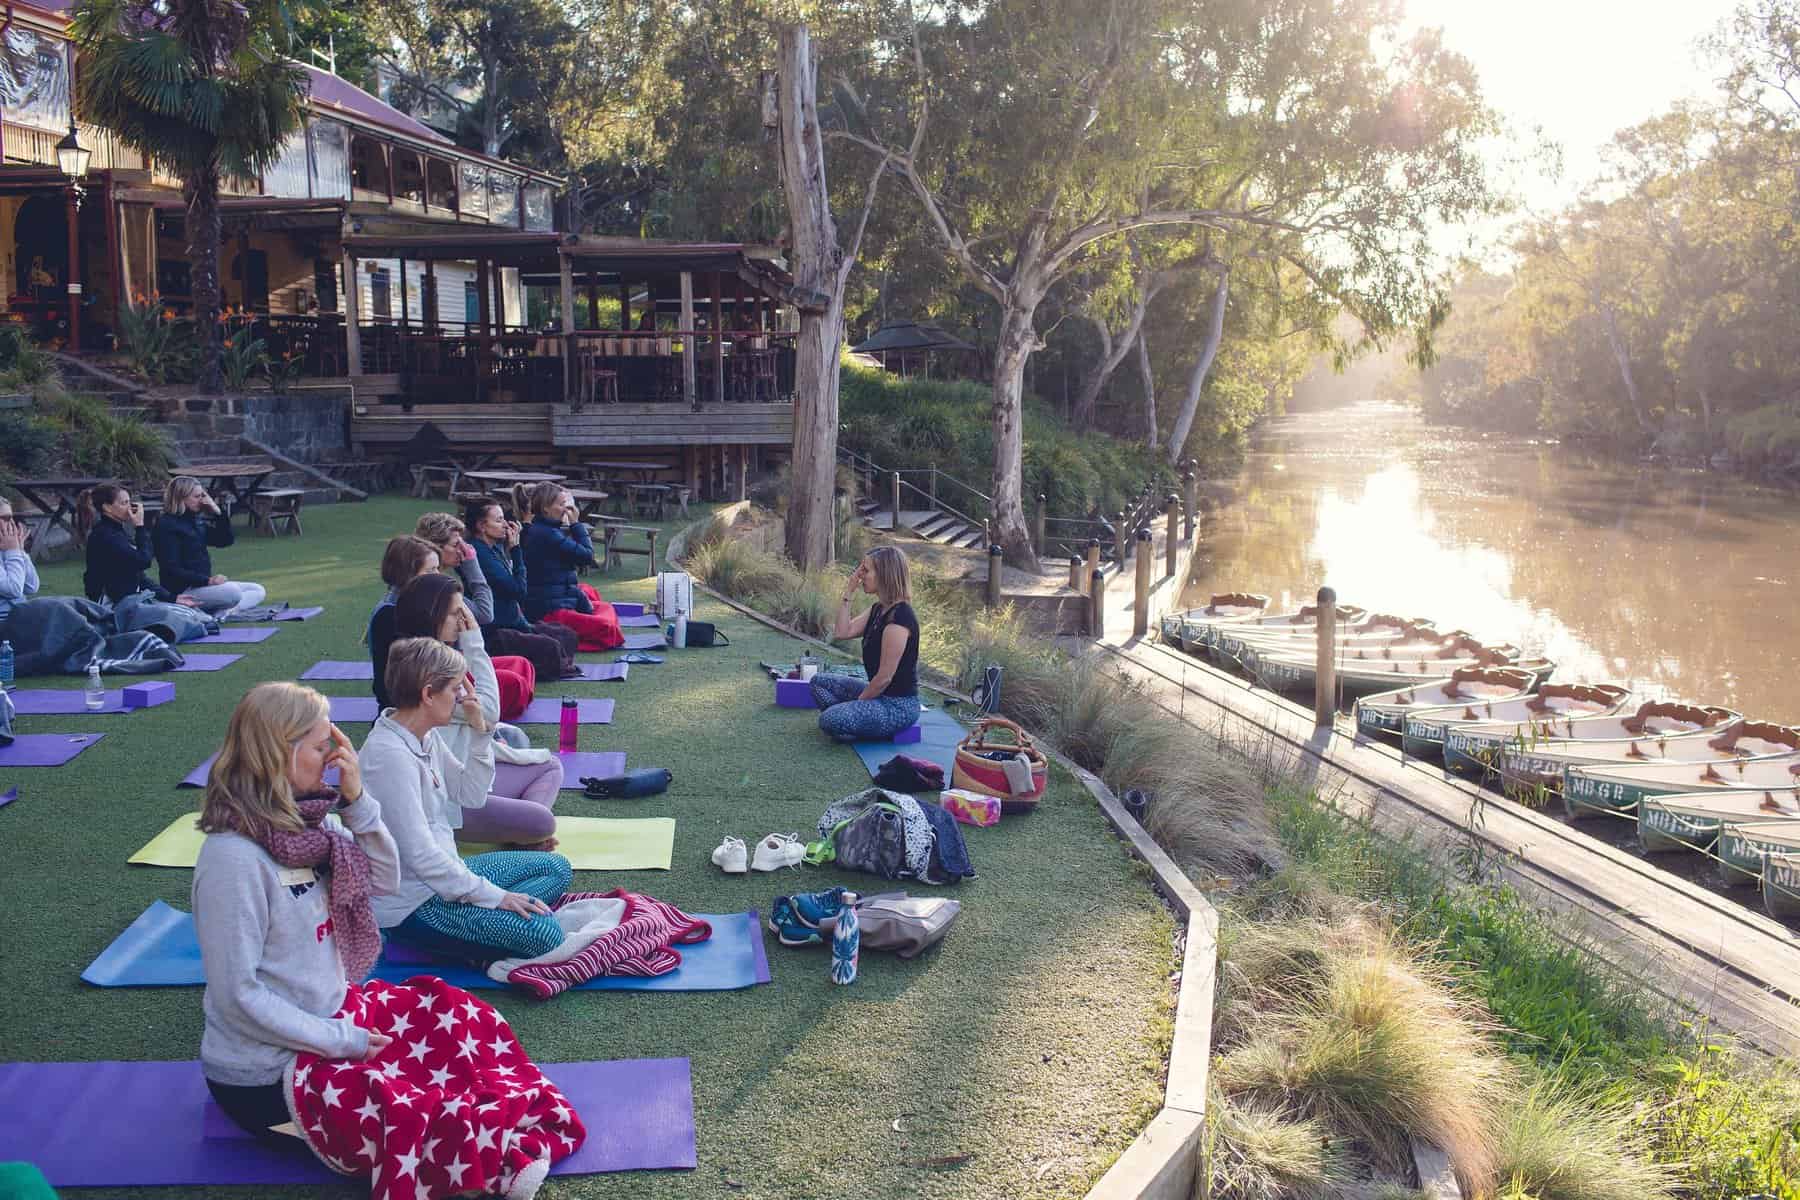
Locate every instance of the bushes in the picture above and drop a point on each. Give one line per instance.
(98, 441)
(158, 345)
(22, 363)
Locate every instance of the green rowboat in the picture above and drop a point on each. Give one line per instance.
(1618, 788)
(1696, 820)
(1476, 749)
(1425, 733)
(1386, 712)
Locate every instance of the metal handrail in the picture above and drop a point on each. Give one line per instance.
(940, 506)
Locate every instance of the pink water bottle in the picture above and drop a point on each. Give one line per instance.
(569, 727)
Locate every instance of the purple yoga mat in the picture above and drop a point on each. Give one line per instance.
(63, 701)
(545, 711)
(11, 794)
(625, 608)
(207, 662)
(354, 708)
(145, 1124)
(235, 635)
(602, 672)
(602, 764)
(640, 621)
(45, 749)
(338, 668)
(196, 778)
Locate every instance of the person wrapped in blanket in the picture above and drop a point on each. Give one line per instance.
(418, 1087)
(526, 782)
(556, 546)
(490, 906)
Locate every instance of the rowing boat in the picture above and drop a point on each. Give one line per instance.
(1196, 626)
(1293, 672)
(1387, 711)
(1618, 787)
(1526, 767)
(1695, 820)
(1781, 886)
(1424, 733)
(1474, 749)
(1744, 847)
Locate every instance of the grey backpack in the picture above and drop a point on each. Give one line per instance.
(899, 922)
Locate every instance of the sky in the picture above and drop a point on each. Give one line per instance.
(1579, 69)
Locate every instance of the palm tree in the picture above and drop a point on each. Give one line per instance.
(201, 86)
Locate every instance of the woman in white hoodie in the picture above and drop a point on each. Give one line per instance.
(493, 905)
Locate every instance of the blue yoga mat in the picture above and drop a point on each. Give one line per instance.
(160, 949)
(939, 736)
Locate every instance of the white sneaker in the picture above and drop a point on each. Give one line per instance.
(778, 850)
(730, 855)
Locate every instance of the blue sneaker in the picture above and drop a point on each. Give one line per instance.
(788, 928)
(815, 907)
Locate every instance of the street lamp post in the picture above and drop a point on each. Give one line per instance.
(72, 158)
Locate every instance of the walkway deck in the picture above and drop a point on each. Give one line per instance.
(1722, 959)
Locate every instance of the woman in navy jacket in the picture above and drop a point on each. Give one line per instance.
(118, 545)
(190, 523)
(555, 546)
(551, 648)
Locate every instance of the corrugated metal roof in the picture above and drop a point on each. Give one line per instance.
(331, 92)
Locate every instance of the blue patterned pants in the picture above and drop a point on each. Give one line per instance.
(848, 719)
(471, 933)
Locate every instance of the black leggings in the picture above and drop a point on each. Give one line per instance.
(257, 1109)
(552, 654)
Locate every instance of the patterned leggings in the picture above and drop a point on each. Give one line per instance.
(475, 934)
(848, 719)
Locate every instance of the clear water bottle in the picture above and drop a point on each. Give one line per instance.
(96, 691)
(6, 665)
(846, 942)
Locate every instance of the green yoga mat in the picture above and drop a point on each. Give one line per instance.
(589, 843)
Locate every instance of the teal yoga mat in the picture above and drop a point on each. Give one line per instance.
(160, 949)
(939, 736)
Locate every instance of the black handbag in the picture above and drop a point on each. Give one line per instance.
(701, 634)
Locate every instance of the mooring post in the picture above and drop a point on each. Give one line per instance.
(1097, 606)
(1093, 560)
(1077, 574)
(1190, 485)
(1146, 558)
(1127, 537)
(996, 560)
(1172, 551)
(1038, 544)
(1324, 676)
(896, 479)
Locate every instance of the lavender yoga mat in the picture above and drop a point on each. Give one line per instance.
(601, 672)
(196, 778)
(545, 711)
(207, 662)
(602, 764)
(338, 668)
(101, 1124)
(45, 749)
(640, 621)
(64, 702)
(644, 641)
(625, 608)
(354, 708)
(235, 635)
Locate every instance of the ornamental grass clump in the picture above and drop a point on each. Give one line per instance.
(1256, 1153)
(1559, 1144)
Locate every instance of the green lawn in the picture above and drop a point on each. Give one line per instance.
(1032, 1040)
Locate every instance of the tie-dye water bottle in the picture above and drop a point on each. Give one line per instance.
(846, 942)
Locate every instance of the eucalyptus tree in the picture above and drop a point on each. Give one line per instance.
(205, 88)
(1044, 130)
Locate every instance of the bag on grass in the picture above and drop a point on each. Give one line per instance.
(909, 773)
(703, 634)
(899, 922)
(645, 781)
(981, 765)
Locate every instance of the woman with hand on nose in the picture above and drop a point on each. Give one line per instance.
(191, 522)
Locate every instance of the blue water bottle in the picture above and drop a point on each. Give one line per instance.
(846, 942)
(6, 665)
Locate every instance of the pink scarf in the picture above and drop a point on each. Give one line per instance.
(352, 920)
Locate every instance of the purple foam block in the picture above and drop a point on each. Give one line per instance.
(545, 711)
(354, 708)
(603, 672)
(45, 749)
(597, 764)
(149, 694)
(639, 621)
(909, 735)
(147, 1124)
(627, 609)
(207, 662)
(236, 635)
(794, 693)
(63, 702)
(338, 668)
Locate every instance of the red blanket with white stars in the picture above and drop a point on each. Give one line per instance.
(452, 1106)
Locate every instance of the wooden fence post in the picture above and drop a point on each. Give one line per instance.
(1324, 677)
(1093, 559)
(996, 561)
(1097, 606)
(1190, 484)
(896, 480)
(1146, 558)
(1077, 574)
(1172, 551)
(1039, 545)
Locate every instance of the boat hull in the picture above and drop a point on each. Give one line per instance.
(1781, 887)
(1591, 789)
(1744, 848)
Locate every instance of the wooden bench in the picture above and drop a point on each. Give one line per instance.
(615, 529)
(427, 477)
(278, 507)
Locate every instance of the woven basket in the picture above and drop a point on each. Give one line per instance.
(974, 773)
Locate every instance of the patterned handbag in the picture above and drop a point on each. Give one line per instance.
(980, 766)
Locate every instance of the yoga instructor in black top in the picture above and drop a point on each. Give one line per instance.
(876, 709)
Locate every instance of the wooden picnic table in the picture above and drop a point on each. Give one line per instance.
(240, 481)
(55, 500)
(645, 469)
(588, 502)
(505, 481)
(452, 468)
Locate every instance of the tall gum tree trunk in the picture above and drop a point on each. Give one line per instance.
(1149, 378)
(1017, 340)
(1190, 403)
(1623, 356)
(205, 229)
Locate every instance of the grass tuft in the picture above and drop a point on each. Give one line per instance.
(1258, 1153)
(1558, 1144)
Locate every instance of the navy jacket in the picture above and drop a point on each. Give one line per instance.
(117, 558)
(506, 575)
(551, 555)
(181, 542)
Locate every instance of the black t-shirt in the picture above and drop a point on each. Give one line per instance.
(906, 676)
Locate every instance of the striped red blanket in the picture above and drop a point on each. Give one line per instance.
(452, 1106)
(642, 943)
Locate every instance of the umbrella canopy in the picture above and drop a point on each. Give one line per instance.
(910, 335)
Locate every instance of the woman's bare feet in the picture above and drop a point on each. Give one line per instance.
(547, 844)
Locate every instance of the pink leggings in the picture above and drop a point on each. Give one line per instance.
(519, 810)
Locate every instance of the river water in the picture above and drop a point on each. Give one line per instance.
(1679, 583)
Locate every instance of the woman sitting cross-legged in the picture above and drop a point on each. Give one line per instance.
(556, 545)
(296, 1049)
(118, 545)
(438, 608)
(871, 710)
(191, 522)
(501, 562)
(491, 906)
(405, 559)
(519, 804)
